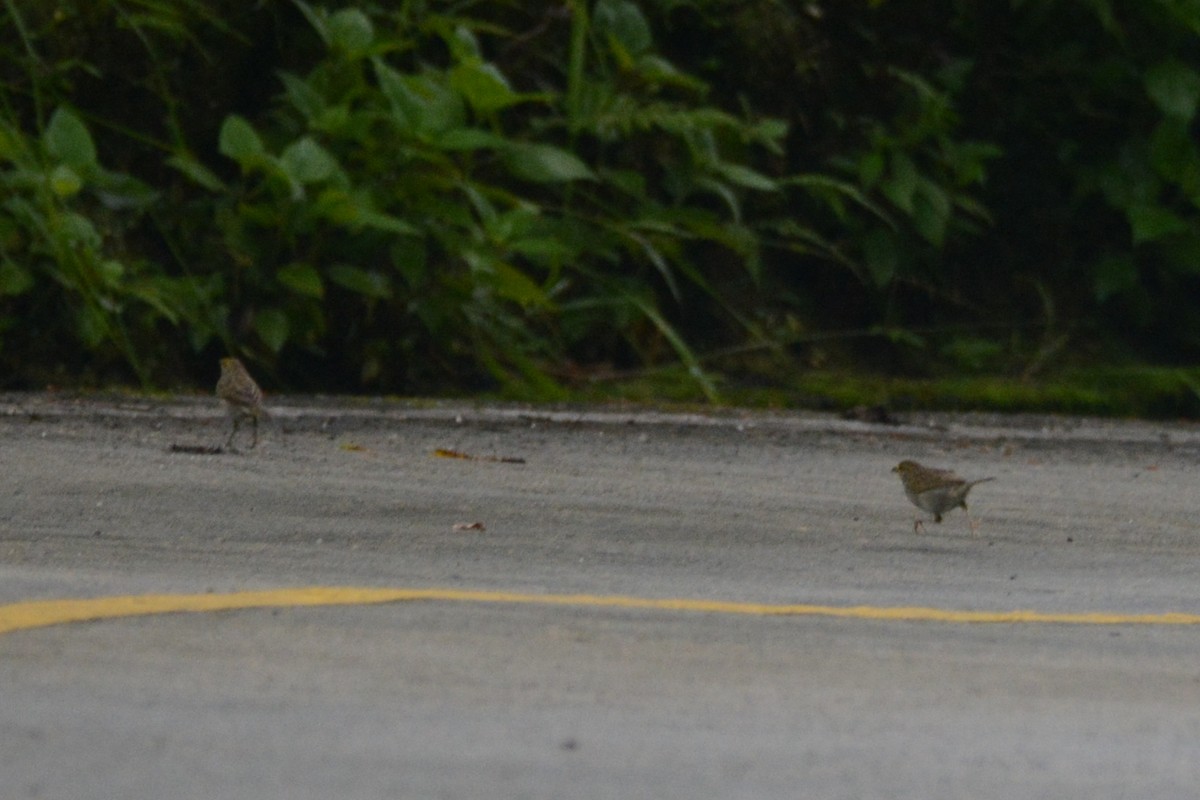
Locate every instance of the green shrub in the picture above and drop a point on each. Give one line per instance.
(431, 197)
(406, 208)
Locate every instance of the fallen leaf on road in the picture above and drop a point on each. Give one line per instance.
(469, 526)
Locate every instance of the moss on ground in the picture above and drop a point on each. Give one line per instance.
(1149, 392)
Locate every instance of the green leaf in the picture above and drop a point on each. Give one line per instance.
(503, 227)
(969, 160)
(364, 282)
(317, 17)
(832, 189)
(77, 231)
(656, 69)
(239, 141)
(723, 191)
(355, 210)
(67, 139)
(350, 31)
(111, 272)
(305, 161)
(483, 87)
(339, 122)
(547, 249)
(543, 163)
(1174, 87)
(931, 212)
(64, 181)
(382, 221)
(120, 191)
(463, 44)
(302, 279)
(197, 172)
(404, 101)
(695, 371)
(623, 22)
(151, 293)
(470, 139)
(12, 144)
(512, 284)
(272, 327)
(745, 177)
(1174, 155)
(14, 279)
(307, 100)
(770, 132)
(1153, 222)
(420, 103)
(902, 184)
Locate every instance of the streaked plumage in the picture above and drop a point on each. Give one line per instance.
(242, 397)
(935, 490)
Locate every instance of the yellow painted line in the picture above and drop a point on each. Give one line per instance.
(43, 613)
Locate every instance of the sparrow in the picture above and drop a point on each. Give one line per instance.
(935, 490)
(242, 397)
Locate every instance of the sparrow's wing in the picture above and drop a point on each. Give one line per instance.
(929, 478)
(240, 390)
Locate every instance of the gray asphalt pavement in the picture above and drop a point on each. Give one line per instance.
(458, 698)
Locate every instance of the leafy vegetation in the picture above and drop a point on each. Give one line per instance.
(529, 199)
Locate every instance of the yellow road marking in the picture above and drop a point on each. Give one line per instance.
(43, 613)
